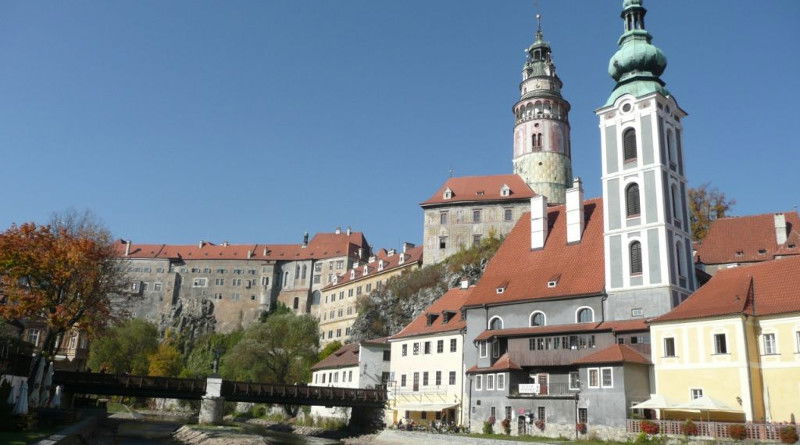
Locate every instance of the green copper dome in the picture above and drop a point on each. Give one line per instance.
(638, 64)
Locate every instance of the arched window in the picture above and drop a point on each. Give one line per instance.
(584, 315)
(296, 303)
(496, 323)
(675, 202)
(632, 206)
(671, 148)
(537, 140)
(538, 318)
(679, 256)
(636, 258)
(629, 145)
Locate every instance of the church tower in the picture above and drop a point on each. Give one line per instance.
(541, 131)
(648, 251)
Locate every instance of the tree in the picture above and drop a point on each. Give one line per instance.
(201, 355)
(707, 204)
(63, 273)
(280, 350)
(125, 348)
(165, 361)
(329, 349)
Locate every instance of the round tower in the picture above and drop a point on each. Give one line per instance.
(542, 152)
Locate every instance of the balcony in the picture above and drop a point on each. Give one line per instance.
(542, 391)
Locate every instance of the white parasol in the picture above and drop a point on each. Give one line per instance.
(55, 402)
(21, 407)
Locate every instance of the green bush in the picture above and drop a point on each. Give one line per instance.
(488, 426)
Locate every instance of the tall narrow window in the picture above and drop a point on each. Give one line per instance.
(537, 319)
(720, 344)
(636, 258)
(669, 347)
(585, 315)
(679, 259)
(675, 204)
(629, 145)
(443, 218)
(770, 347)
(296, 303)
(496, 323)
(632, 206)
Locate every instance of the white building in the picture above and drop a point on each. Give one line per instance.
(427, 368)
(354, 365)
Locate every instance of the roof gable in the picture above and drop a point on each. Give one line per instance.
(747, 239)
(481, 188)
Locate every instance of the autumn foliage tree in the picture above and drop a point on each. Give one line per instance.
(707, 204)
(62, 273)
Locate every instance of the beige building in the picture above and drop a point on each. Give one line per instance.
(465, 210)
(337, 307)
(427, 368)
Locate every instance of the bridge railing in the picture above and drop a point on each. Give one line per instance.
(129, 382)
(329, 395)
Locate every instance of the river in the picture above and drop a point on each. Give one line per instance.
(149, 431)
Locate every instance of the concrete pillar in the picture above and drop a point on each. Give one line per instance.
(212, 406)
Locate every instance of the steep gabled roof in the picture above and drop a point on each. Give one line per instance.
(766, 288)
(743, 239)
(480, 189)
(412, 256)
(578, 266)
(345, 356)
(450, 302)
(614, 354)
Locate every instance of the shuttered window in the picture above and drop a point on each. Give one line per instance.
(629, 145)
(632, 206)
(636, 258)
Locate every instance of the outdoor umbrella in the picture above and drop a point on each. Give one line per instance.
(12, 395)
(656, 401)
(48, 382)
(55, 402)
(21, 407)
(706, 403)
(33, 401)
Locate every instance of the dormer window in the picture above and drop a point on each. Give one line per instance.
(739, 253)
(366, 270)
(500, 290)
(372, 259)
(353, 274)
(431, 318)
(480, 193)
(505, 190)
(448, 194)
(553, 281)
(402, 258)
(380, 265)
(336, 279)
(447, 316)
(762, 251)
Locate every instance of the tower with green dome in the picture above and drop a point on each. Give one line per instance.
(541, 128)
(648, 251)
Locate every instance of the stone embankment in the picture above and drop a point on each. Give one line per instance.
(218, 436)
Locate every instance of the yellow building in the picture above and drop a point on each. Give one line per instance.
(337, 306)
(735, 343)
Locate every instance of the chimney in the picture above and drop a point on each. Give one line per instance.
(200, 244)
(406, 246)
(338, 230)
(249, 254)
(127, 247)
(574, 206)
(266, 250)
(464, 284)
(538, 221)
(349, 231)
(305, 239)
(226, 243)
(780, 228)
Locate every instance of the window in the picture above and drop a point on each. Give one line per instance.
(438, 380)
(200, 282)
(537, 319)
(797, 340)
(476, 240)
(607, 377)
(33, 336)
(478, 382)
(425, 378)
(439, 346)
(453, 344)
(415, 387)
(157, 286)
(443, 242)
(636, 258)
(508, 413)
(720, 344)
(324, 376)
(496, 323)
(679, 259)
(416, 348)
(452, 379)
(536, 140)
(632, 205)
(427, 347)
(770, 347)
(583, 415)
(584, 315)
(540, 413)
(508, 214)
(338, 333)
(594, 378)
(403, 380)
(237, 281)
(316, 279)
(695, 393)
(669, 347)
(442, 217)
(476, 216)
(219, 282)
(574, 380)
(675, 204)
(501, 381)
(482, 349)
(296, 303)
(490, 382)
(629, 145)
(493, 411)
(305, 268)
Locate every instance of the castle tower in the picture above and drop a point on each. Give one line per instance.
(648, 252)
(541, 132)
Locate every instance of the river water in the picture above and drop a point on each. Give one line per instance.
(118, 431)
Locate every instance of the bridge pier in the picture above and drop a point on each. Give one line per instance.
(366, 419)
(212, 405)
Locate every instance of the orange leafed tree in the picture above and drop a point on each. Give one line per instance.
(63, 274)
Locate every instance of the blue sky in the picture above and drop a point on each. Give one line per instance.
(254, 121)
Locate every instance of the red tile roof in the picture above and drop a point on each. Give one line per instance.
(613, 326)
(323, 245)
(413, 255)
(766, 288)
(748, 235)
(527, 271)
(451, 301)
(504, 363)
(614, 354)
(347, 355)
(481, 188)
